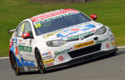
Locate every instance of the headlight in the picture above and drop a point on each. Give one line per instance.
(56, 43)
(100, 31)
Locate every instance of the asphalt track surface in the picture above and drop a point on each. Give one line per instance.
(106, 68)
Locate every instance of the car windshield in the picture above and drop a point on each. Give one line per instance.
(59, 23)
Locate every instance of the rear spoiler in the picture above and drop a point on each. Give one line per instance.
(11, 30)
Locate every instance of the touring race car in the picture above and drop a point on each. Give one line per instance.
(58, 38)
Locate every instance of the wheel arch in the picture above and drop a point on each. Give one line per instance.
(12, 53)
(36, 48)
(43, 67)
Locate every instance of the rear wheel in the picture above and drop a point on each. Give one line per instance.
(14, 64)
(39, 62)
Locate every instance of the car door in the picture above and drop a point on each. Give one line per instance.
(18, 41)
(25, 45)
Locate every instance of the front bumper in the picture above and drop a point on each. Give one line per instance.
(78, 49)
(83, 59)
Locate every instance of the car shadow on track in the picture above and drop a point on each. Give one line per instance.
(79, 64)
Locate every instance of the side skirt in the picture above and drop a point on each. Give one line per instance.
(28, 69)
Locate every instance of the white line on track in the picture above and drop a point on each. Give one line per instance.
(4, 57)
(8, 57)
(121, 47)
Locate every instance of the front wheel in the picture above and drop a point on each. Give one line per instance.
(39, 62)
(114, 53)
(14, 64)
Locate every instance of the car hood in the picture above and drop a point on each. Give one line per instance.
(73, 32)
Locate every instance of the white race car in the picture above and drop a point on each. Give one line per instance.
(58, 38)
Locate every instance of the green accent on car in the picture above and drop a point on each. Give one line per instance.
(25, 48)
(100, 41)
(77, 36)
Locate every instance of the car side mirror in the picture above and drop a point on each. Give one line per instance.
(26, 35)
(94, 16)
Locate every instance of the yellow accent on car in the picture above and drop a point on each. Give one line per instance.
(37, 25)
(113, 43)
(23, 26)
(48, 35)
(48, 61)
(84, 44)
(42, 63)
(17, 68)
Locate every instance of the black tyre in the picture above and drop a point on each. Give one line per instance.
(39, 62)
(14, 64)
(113, 54)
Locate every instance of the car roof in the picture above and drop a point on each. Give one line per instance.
(50, 14)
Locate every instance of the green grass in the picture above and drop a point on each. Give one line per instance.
(110, 13)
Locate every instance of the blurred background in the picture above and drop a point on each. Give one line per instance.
(12, 12)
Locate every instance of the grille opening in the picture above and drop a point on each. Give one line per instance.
(84, 51)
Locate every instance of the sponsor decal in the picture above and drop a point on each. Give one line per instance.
(60, 35)
(107, 45)
(81, 38)
(70, 35)
(49, 61)
(76, 29)
(93, 31)
(48, 35)
(84, 44)
(113, 43)
(25, 48)
(47, 53)
(60, 58)
(30, 55)
(20, 41)
(90, 26)
(32, 69)
(48, 64)
(80, 35)
(85, 29)
(47, 57)
(100, 41)
(66, 50)
(51, 18)
(52, 14)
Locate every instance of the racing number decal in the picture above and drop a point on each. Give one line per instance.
(37, 25)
